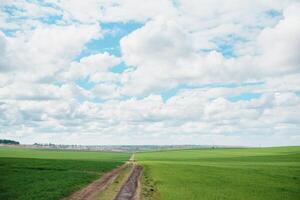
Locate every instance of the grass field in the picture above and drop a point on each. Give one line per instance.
(29, 174)
(241, 174)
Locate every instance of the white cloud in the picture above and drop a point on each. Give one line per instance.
(92, 11)
(188, 46)
(106, 91)
(280, 45)
(167, 50)
(46, 50)
(127, 10)
(91, 66)
(183, 115)
(85, 12)
(3, 54)
(41, 92)
(161, 39)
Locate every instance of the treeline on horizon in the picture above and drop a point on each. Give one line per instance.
(4, 141)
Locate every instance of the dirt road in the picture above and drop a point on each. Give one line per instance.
(130, 190)
(92, 190)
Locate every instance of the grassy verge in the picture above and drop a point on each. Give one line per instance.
(210, 174)
(47, 175)
(149, 190)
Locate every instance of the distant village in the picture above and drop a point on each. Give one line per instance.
(116, 148)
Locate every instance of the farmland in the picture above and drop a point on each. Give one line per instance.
(241, 174)
(51, 174)
(192, 174)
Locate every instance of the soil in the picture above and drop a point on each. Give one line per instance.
(130, 189)
(92, 190)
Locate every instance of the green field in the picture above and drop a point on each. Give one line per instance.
(211, 174)
(241, 174)
(31, 174)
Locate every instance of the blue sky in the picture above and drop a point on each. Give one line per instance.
(184, 72)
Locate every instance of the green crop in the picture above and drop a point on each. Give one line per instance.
(30, 174)
(235, 174)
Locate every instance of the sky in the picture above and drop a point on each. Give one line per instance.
(105, 72)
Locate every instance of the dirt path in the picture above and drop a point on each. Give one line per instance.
(92, 190)
(130, 190)
(132, 158)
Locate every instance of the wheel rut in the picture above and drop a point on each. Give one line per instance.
(92, 190)
(130, 189)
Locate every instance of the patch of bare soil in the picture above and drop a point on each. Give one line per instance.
(130, 190)
(92, 190)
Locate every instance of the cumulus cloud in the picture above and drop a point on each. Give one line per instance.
(3, 47)
(279, 54)
(201, 72)
(167, 50)
(91, 66)
(183, 114)
(44, 51)
(122, 11)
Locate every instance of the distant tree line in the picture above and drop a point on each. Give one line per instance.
(4, 141)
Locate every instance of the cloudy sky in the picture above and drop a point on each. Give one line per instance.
(150, 72)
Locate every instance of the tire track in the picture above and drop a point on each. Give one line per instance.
(130, 190)
(92, 190)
